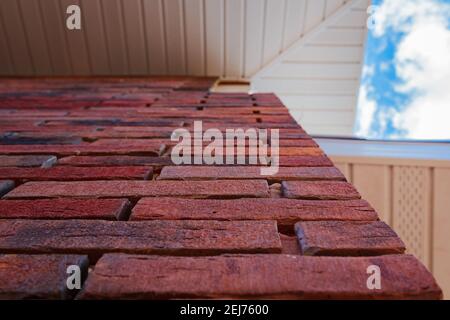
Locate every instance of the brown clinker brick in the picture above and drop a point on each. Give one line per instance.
(257, 276)
(305, 161)
(147, 237)
(108, 209)
(76, 173)
(135, 189)
(355, 238)
(248, 172)
(286, 211)
(37, 276)
(323, 190)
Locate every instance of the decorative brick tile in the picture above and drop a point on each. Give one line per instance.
(108, 209)
(286, 211)
(322, 190)
(135, 189)
(27, 161)
(345, 238)
(146, 237)
(37, 276)
(248, 172)
(76, 173)
(257, 276)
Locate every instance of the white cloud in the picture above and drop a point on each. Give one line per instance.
(422, 63)
(366, 113)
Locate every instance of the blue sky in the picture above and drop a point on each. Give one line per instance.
(405, 87)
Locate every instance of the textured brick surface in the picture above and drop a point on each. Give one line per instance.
(37, 276)
(248, 172)
(322, 190)
(109, 209)
(74, 173)
(150, 237)
(85, 165)
(27, 161)
(285, 211)
(257, 276)
(347, 238)
(195, 189)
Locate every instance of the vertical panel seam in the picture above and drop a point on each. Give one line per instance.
(164, 34)
(65, 40)
(125, 35)
(105, 33)
(243, 39)
(184, 36)
(142, 25)
(84, 30)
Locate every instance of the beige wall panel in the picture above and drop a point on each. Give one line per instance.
(441, 229)
(374, 184)
(412, 209)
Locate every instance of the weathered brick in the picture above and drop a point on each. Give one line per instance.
(323, 190)
(148, 237)
(76, 173)
(88, 149)
(27, 161)
(95, 161)
(108, 209)
(289, 244)
(286, 211)
(305, 161)
(257, 276)
(248, 172)
(6, 186)
(105, 189)
(37, 276)
(346, 238)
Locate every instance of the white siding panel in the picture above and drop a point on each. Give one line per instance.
(307, 86)
(155, 33)
(274, 17)
(310, 70)
(16, 36)
(332, 5)
(194, 37)
(319, 102)
(294, 21)
(134, 35)
(115, 36)
(173, 10)
(234, 38)
(338, 37)
(310, 53)
(254, 36)
(96, 38)
(215, 37)
(36, 36)
(76, 41)
(315, 10)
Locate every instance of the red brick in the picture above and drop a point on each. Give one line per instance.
(27, 161)
(67, 150)
(257, 276)
(148, 237)
(286, 211)
(289, 244)
(76, 173)
(6, 186)
(247, 172)
(323, 190)
(105, 189)
(108, 209)
(346, 238)
(95, 161)
(37, 276)
(305, 161)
